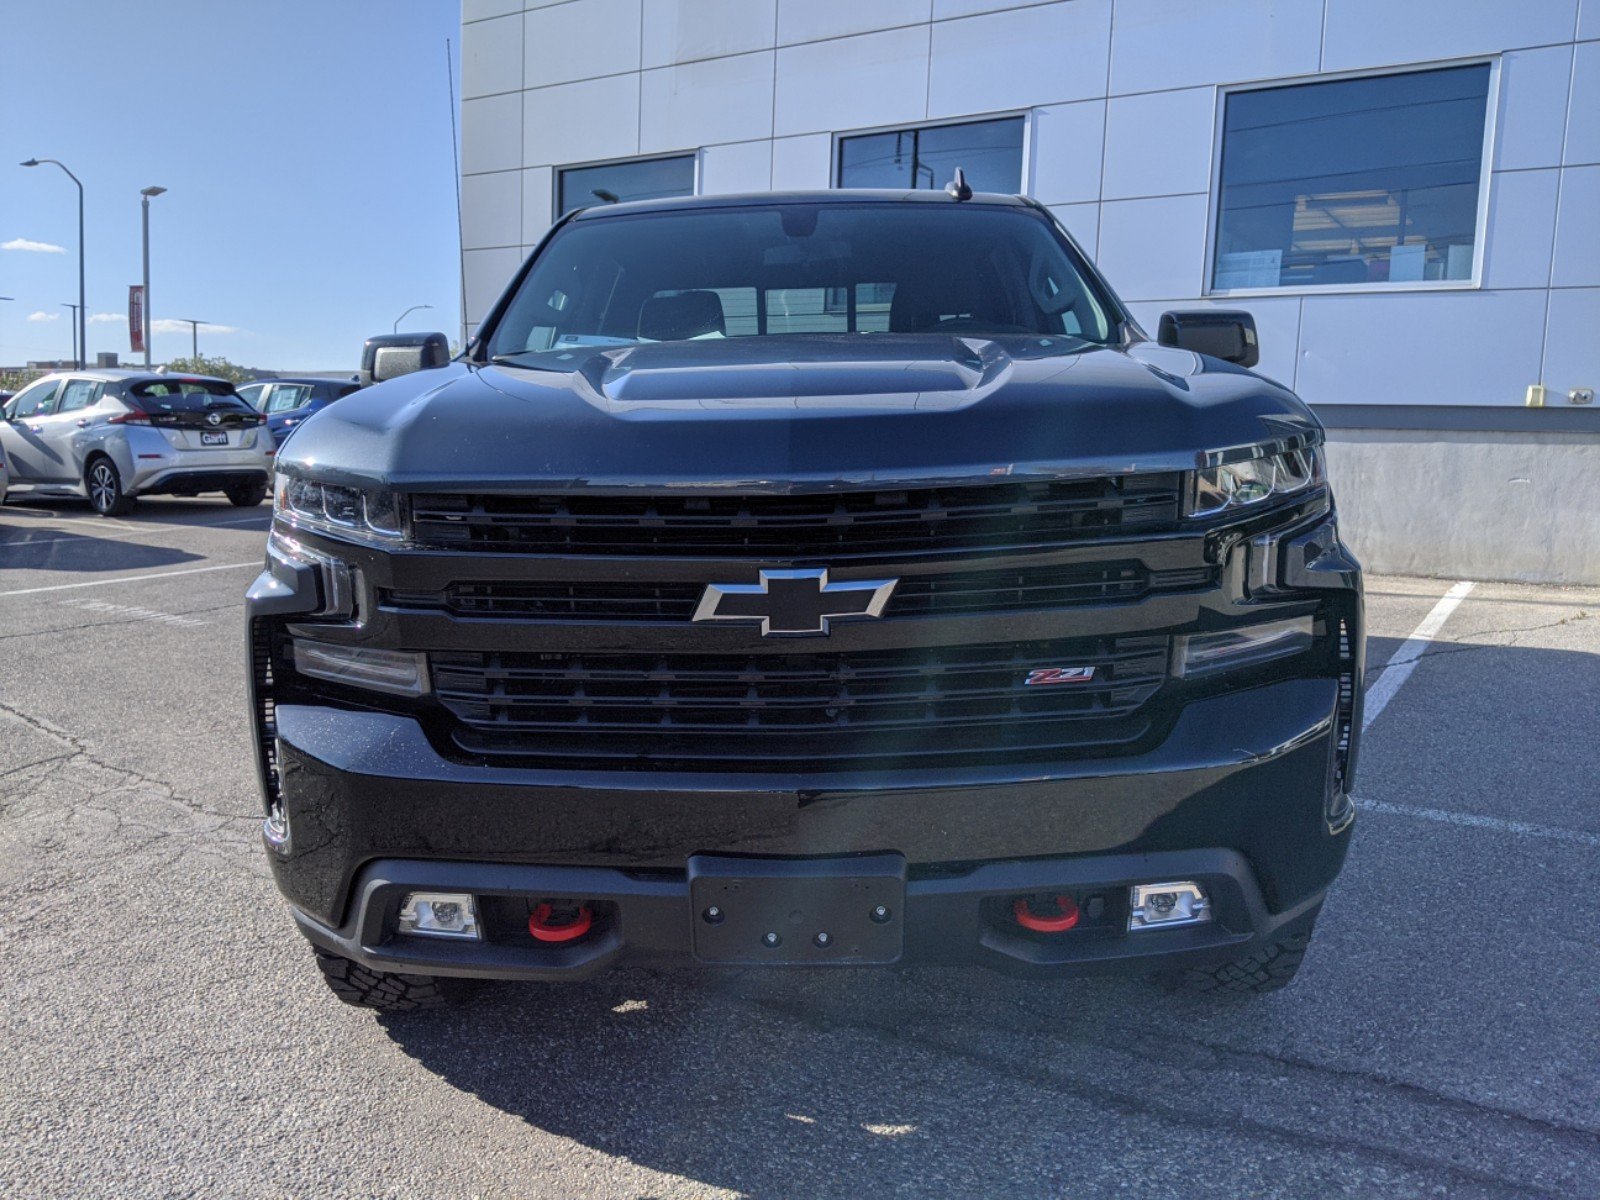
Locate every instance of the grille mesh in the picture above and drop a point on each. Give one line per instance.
(830, 711)
(830, 525)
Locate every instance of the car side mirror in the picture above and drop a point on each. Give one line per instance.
(1222, 333)
(391, 355)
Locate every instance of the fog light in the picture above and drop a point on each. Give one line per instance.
(440, 914)
(1161, 905)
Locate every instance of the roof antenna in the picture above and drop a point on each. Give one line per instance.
(958, 188)
(604, 195)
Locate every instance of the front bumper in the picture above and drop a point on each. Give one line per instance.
(946, 918)
(1245, 790)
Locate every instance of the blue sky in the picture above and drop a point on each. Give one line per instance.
(305, 146)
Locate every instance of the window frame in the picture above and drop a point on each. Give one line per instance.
(1485, 183)
(697, 155)
(1028, 122)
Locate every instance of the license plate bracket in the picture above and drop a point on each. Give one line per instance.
(213, 437)
(838, 911)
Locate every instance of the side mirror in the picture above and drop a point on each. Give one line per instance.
(1225, 334)
(391, 355)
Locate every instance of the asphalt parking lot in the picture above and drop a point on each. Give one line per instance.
(165, 1032)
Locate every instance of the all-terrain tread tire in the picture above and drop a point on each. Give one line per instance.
(383, 990)
(1268, 969)
(246, 495)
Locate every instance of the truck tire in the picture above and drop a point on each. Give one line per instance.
(246, 495)
(365, 988)
(1268, 969)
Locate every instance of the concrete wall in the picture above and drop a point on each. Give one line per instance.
(1470, 505)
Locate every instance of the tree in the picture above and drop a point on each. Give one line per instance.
(203, 365)
(15, 381)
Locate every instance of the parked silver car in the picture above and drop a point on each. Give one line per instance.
(113, 436)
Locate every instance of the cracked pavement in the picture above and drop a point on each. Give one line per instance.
(165, 1032)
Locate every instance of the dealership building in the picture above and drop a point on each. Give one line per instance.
(1404, 193)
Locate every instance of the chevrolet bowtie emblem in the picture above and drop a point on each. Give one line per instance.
(794, 603)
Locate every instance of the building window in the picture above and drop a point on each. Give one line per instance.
(1373, 180)
(635, 179)
(990, 152)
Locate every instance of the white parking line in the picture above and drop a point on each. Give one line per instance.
(1476, 821)
(63, 587)
(1399, 668)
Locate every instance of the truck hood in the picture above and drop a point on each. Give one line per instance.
(781, 412)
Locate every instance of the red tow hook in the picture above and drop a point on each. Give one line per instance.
(1066, 915)
(571, 925)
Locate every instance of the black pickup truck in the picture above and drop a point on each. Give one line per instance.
(809, 579)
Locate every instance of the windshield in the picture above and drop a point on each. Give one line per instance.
(785, 269)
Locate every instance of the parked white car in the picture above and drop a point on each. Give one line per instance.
(113, 436)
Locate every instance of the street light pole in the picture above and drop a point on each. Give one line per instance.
(75, 357)
(149, 326)
(194, 338)
(407, 313)
(81, 338)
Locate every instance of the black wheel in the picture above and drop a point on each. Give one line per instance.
(355, 984)
(246, 495)
(105, 488)
(1268, 969)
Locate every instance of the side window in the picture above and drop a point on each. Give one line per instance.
(78, 393)
(251, 394)
(36, 401)
(286, 397)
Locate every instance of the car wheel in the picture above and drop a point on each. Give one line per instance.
(105, 488)
(384, 990)
(246, 495)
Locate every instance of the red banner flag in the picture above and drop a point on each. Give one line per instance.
(136, 318)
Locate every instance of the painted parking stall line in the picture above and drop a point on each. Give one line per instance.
(1442, 816)
(1405, 659)
(66, 587)
(133, 612)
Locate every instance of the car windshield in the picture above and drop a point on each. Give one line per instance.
(786, 269)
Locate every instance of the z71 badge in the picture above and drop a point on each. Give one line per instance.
(1043, 676)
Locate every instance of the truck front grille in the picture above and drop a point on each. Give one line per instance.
(813, 712)
(1009, 590)
(830, 525)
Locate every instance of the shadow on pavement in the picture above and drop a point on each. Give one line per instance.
(55, 550)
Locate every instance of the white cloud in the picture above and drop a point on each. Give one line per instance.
(168, 325)
(41, 316)
(32, 247)
(161, 324)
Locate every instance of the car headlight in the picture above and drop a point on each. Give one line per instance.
(360, 514)
(1241, 484)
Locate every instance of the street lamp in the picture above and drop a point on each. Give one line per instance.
(407, 313)
(81, 337)
(75, 310)
(149, 327)
(194, 338)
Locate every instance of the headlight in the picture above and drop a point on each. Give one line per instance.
(363, 515)
(1241, 484)
(400, 672)
(1248, 646)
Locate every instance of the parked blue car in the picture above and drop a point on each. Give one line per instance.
(287, 402)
